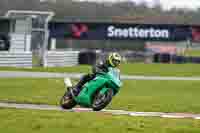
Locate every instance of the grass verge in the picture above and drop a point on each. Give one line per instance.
(31, 121)
(135, 95)
(193, 53)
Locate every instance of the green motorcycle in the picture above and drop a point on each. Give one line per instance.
(95, 94)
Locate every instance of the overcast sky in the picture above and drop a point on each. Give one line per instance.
(180, 3)
(167, 4)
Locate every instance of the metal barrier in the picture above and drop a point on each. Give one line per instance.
(22, 59)
(60, 59)
(17, 43)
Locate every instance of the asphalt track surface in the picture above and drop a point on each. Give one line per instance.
(15, 74)
(112, 112)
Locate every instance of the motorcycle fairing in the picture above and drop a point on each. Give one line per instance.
(86, 95)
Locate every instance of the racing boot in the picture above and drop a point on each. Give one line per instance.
(78, 87)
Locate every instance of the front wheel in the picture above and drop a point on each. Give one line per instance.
(102, 100)
(67, 102)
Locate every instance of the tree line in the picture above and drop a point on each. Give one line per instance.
(129, 12)
(67, 10)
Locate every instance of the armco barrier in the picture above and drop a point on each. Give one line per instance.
(166, 58)
(194, 59)
(22, 59)
(183, 59)
(62, 58)
(179, 59)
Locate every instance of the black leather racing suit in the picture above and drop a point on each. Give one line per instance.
(101, 67)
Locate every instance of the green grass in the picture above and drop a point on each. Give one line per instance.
(194, 53)
(161, 69)
(135, 95)
(159, 96)
(31, 90)
(136, 69)
(32, 121)
(80, 68)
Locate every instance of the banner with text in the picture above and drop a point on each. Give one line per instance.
(114, 31)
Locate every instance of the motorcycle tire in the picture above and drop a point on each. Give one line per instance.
(67, 102)
(101, 101)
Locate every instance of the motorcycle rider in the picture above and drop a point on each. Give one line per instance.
(113, 60)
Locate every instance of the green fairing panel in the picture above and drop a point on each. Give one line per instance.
(85, 96)
(111, 79)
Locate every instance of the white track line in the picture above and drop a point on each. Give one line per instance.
(113, 112)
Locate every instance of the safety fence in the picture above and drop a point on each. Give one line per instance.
(62, 58)
(23, 59)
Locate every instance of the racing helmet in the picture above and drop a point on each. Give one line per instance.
(114, 59)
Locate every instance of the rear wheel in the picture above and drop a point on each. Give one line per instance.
(67, 102)
(100, 101)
